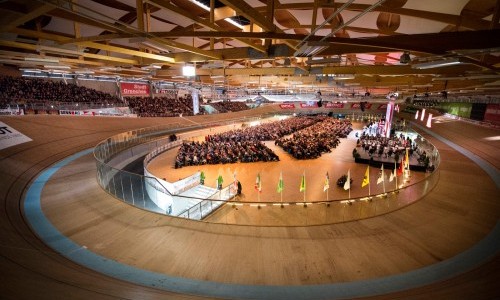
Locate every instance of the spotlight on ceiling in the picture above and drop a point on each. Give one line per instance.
(405, 58)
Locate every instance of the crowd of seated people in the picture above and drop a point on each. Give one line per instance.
(311, 142)
(425, 102)
(242, 145)
(268, 131)
(170, 106)
(221, 151)
(35, 90)
(228, 106)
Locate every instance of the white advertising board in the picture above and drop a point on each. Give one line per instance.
(10, 137)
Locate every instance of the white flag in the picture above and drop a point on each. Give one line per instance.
(347, 184)
(393, 174)
(381, 176)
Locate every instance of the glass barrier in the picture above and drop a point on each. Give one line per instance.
(115, 154)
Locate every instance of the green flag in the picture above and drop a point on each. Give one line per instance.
(303, 183)
(280, 183)
(220, 181)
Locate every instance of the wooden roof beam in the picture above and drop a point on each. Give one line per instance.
(471, 23)
(33, 13)
(244, 9)
(200, 21)
(38, 48)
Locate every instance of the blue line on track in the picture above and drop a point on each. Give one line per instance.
(480, 253)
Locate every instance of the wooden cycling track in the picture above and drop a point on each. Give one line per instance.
(460, 211)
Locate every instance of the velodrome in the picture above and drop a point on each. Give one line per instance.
(116, 181)
(456, 215)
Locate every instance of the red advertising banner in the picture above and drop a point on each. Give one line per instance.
(309, 105)
(287, 106)
(333, 105)
(134, 89)
(382, 107)
(492, 113)
(358, 106)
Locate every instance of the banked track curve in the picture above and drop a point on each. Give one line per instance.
(67, 278)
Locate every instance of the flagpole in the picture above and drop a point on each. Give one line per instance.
(396, 179)
(304, 186)
(369, 183)
(383, 180)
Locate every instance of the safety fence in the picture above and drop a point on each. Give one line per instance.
(115, 153)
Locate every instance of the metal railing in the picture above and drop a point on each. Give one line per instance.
(117, 151)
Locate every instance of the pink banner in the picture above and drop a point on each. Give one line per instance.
(287, 106)
(309, 105)
(134, 89)
(334, 105)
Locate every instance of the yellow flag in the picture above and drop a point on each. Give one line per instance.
(366, 179)
(303, 183)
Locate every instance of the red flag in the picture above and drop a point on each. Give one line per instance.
(400, 168)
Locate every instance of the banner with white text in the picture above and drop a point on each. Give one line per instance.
(134, 89)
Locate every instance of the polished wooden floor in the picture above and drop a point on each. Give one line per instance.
(457, 214)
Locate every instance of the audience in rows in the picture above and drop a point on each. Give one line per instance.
(46, 94)
(227, 151)
(267, 131)
(228, 106)
(317, 139)
(33, 90)
(170, 106)
(245, 145)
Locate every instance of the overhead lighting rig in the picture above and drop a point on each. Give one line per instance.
(310, 49)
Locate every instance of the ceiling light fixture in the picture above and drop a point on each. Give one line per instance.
(200, 5)
(231, 21)
(311, 48)
(437, 64)
(188, 71)
(46, 60)
(56, 67)
(405, 57)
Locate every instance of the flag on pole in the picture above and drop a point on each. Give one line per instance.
(280, 183)
(381, 175)
(202, 177)
(366, 178)
(327, 183)
(347, 184)
(258, 184)
(400, 168)
(219, 182)
(303, 183)
(407, 160)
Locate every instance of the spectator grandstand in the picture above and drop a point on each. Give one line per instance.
(25, 91)
(228, 106)
(167, 106)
